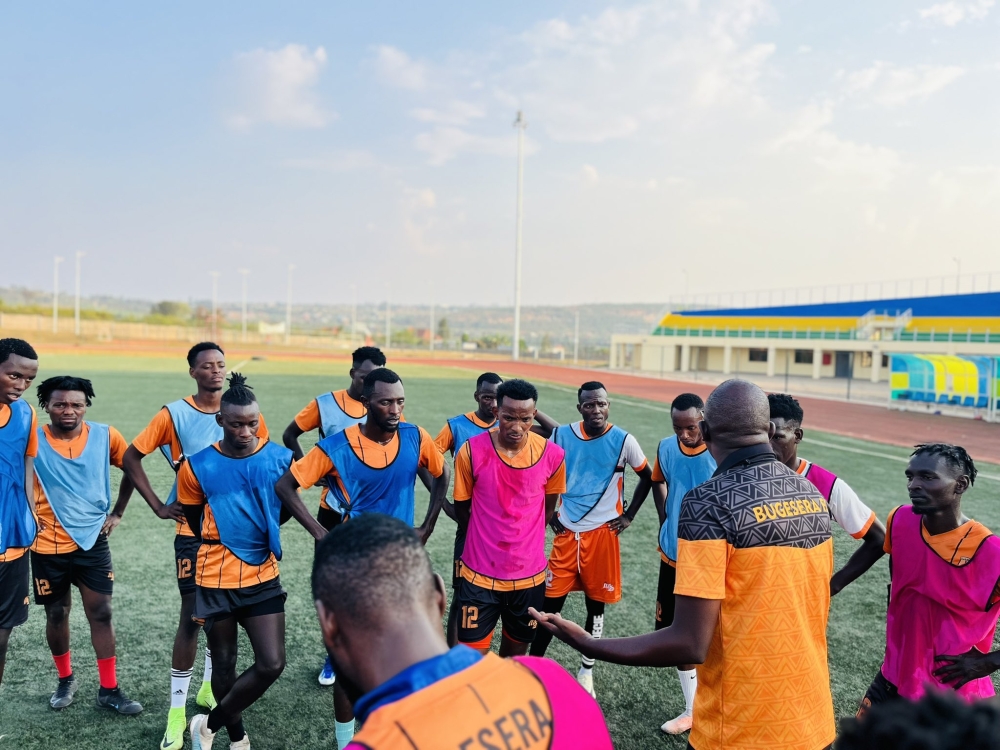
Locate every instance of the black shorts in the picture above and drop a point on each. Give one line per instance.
(54, 574)
(880, 691)
(186, 557)
(212, 605)
(456, 567)
(480, 609)
(14, 592)
(328, 517)
(665, 596)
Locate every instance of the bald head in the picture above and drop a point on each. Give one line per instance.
(738, 415)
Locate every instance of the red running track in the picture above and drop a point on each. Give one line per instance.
(862, 421)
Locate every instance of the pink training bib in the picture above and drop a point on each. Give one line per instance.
(936, 608)
(506, 538)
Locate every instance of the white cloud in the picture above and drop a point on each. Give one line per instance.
(891, 85)
(396, 68)
(442, 144)
(346, 161)
(453, 113)
(589, 175)
(278, 87)
(953, 13)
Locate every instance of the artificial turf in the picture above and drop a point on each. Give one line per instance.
(296, 712)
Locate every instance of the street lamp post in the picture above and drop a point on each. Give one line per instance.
(388, 317)
(215, 302)
(520, 123)
(243, 273)
(76, 306)
(55, 293)
(288, 306)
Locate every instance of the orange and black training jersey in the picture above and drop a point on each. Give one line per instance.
(445, 439)
(160, 432)
(15, 553)
(52, 538)
(309, 418)
(218, 567)
(527, 456)
(756, 537)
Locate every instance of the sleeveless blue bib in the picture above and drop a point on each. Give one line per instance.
(195, 431)
(78, 489)
(463, 428)
(683, 473)
(591, 465)
(17, 521)
(388, 491)
(240, 492)
(333, 419)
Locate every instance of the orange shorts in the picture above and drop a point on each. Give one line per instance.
(587, 561)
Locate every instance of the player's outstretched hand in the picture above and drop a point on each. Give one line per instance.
(564, 630)
(171, 512)
(618, 525)
(963, 668)
(424, 532)
(110, 523)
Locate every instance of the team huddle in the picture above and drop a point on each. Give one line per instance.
(745, 578)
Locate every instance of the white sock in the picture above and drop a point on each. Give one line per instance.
(180, 681)
(208, 666)
(587, 664)
(344, 732)
(689, 686)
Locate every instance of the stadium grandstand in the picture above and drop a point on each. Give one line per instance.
(942, 348)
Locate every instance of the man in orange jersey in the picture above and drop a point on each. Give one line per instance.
(330, 413)
(380, 607)
(179, 430)
(18, 446)
(451, 438)
(227, 492)
(752, 594)
(507, 483)
(72, 490)
(372, 468)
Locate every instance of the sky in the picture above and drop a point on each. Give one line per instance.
(687, 145)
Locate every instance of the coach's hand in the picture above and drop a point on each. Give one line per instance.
(110, 523)
(173, 511)
(564, 630)
(618, 525)
(963, 668)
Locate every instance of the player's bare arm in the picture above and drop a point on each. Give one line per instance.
(660, 500)
(439, 492)
(546, 424)
(869, 553)
(287, 491)
(963, 668)
(114, 518)
(684, 642)
(290, 438)
(618, 525)
(132, 464)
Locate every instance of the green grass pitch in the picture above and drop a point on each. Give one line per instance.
(296, 712)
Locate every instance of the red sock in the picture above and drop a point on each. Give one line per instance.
(64, 665)
(106, 673)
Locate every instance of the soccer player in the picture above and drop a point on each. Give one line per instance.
(683, 462)
(409, 689)
(754, 561)
(585, 553)
(330, 413)
(944, 584)
(179, 430)
(372, 468)
(507, 482)
(72, 491)
(227, 492)
(18, 446)
(846, 508)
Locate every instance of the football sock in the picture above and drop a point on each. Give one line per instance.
(180, 681)
(595, 626)
(689, 685)
(344, 732)
(64, 665)
(107, 673)
(236, 731)
(208, 666)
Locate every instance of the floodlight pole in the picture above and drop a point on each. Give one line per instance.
(958, 274)
(76, 306)
(520, 123)
(576, 338)
(388, 317)
(215, 302)
(354, 313)
(430, 338)
(288, 306)
(243, 273)
(55, 293)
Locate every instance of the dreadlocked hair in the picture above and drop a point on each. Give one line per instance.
(239, 393)
(64, 383)
(955, 455)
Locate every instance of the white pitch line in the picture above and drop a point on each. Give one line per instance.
(863, 452)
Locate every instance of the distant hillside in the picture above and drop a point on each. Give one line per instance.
(550, 323)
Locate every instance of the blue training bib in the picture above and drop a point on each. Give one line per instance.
(17, 519)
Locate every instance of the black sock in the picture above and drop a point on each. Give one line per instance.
(214, 722)
(106, 691)
(236, 731)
